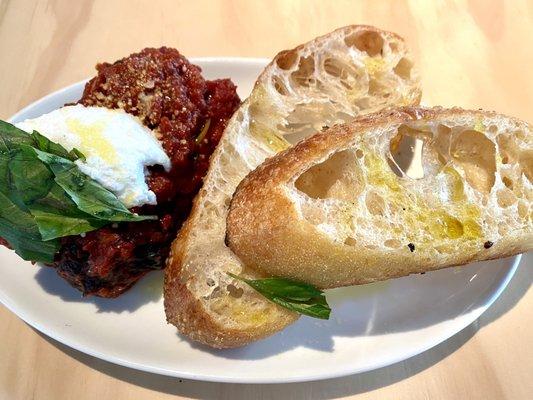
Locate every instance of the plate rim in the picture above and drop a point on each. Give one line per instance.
(474, 314)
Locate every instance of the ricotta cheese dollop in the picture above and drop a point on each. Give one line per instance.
(117, 147)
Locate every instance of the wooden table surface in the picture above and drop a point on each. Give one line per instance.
(473, 53)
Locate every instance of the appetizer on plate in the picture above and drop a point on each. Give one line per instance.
(375, 187)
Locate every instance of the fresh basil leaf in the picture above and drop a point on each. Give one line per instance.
(21, 232)
(315, 310)
(4, 170)
(295, 296)
(290, 289)
(77, 155)
(55, 213)
(7, 186)
(57, 216)
(29, 177)
(11, 137)
(52, 226)
(89, 196)
(44, 195)
(44, 144)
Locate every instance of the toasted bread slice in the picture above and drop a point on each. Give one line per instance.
(353, 70)
(391, 194)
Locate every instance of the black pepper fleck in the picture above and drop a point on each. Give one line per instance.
(488, 244)
(411, 247)
(325, 127)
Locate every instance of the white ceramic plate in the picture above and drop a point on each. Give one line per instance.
(371, 326)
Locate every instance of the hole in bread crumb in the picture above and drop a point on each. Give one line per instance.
(308, 118)
(334, 67)
(348, 75)
(392, 243)
(526, 163)
(376, 88)
(507, 148)
(338, 177)
(306, 68)
(286, 59)
(406, 150)
(210, 282)
(346, 84)
(403, 68)
(522, 209)
(505, 198)
(216, 292)
(375, 203)
(350, 241)
(476, 154)
(507, 182)
(441, 144)
(234, 291)
(369, 42)
(279, 85)
(519, 134)
(394, 167)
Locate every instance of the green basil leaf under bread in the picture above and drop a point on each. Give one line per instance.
(295, 296)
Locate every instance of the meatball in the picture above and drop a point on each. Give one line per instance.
(189, 115)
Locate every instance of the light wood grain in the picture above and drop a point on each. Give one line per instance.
(473, 53)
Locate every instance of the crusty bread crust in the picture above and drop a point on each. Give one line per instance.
(188, 314)
(266, 227)
(331, 79)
